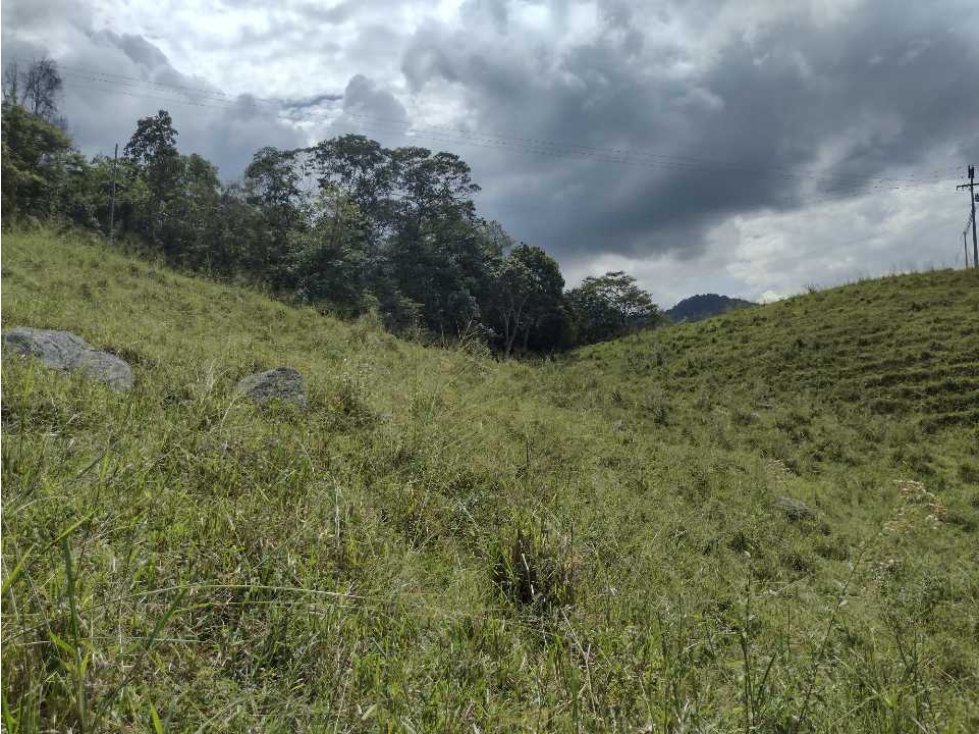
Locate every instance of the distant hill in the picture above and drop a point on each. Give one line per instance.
(698, 308)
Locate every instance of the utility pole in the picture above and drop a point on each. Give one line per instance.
(965, 248)
(972, 198)
(112, 206)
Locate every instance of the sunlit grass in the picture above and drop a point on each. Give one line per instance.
(444, 542)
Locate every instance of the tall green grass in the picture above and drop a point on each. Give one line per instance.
(444, 542)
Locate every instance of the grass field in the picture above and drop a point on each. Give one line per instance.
(446, 542)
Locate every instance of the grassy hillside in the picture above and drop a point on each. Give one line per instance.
(904, 345)
(443, 542)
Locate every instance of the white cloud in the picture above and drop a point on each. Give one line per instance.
(835, 242)
(768, 256)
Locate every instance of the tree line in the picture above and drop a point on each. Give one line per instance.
(347, 225)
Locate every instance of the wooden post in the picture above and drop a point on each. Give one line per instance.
(112, 206)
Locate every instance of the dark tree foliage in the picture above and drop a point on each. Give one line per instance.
(154, 138)
(347, 225)
(272, 186)
(609, 306)
(155, 162)
(700, 307)
(527, 300)
(191, 228)
(360, 169)
(36, 88)
(42, 87)
(33, 160)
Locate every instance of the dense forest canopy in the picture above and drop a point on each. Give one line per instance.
(346, 224)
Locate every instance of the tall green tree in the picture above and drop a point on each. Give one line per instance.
(36, 88)
(41, 89)
(33, 160)
(609, 306)
(527, 299)
(433, 186)
(193, 212)
(152, 153)
(435, 253)
(328, 258)
(272, 185)
(360, 170)
(346, 223)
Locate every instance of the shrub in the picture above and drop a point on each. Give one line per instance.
(535, 569)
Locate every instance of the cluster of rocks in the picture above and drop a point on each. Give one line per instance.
(62, 350)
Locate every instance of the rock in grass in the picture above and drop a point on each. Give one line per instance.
(282, 383)
(63, 350)
(794, 509)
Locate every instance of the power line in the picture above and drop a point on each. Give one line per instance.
(129, 86)
(878, 186)
(230, 100)
(210, 98)
(112, 210)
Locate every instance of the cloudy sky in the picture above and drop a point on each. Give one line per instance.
(748, 147)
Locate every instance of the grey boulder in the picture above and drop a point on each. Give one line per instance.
(794, 509)
(63, 350)
(282, 383)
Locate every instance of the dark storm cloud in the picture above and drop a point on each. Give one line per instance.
(741, 132)
(369, 109)
(112, 79)
(225, 130)
(138, 49)
(21, 15)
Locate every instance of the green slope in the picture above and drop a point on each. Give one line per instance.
(443, 542)
(903, 345)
